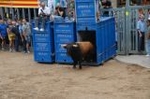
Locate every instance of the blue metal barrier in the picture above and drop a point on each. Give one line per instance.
(43, 43)
(64, 32)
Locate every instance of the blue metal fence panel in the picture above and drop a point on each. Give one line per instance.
(64, 32)
(105, 38)
(43, 43)
(106, 45)
(84, 0)
(42, 36)
(85, 11)
(43, 56)
(59, 37)
(64, 27)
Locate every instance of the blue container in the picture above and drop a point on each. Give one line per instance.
(39, 36)
(85, 9)
(59, 48)
(84, 0)
(64, 27)
(59, 37)
(43, 56)
(43, 42)
(40, 46)
(64, 32)
(103, 34)
(62, 57)
(85, 12)
(89, 26)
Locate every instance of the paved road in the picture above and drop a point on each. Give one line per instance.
(141, 60)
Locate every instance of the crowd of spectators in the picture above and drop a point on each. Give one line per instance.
(16, 34)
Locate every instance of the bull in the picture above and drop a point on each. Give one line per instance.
(79, 51)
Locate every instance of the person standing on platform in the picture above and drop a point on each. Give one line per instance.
(43, 16)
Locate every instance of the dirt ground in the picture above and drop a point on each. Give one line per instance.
(22, 78)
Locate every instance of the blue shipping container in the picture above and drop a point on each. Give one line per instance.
(64, 32)
(102, 36)
(62, 57)
(43, 56)
(43, 42)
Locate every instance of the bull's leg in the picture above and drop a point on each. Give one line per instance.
(74, 64)
(80, 66)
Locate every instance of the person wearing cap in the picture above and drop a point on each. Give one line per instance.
(43, 15)
(147, 43)
(141, 29)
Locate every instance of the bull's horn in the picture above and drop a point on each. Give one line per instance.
(74, 45)
(63, 45)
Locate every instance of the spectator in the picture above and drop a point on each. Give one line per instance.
(27, 35)
(20, 29)
(43, 15)
(70, 9)
(3, 33)
(15, 30)
(141, 28)
(148, 39)
(148, 13)
(63, 4)
(11, 35)
(59, 12)
(106, 5)
(51, 5)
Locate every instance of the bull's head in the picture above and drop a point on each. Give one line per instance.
(69, 47)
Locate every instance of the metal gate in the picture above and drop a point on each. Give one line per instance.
(18, 13)
(126, 32)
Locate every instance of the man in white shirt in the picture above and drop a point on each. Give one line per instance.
(43, 15)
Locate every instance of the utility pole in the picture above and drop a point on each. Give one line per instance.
(127, 14)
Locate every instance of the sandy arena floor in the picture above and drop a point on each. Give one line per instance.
(22, 78)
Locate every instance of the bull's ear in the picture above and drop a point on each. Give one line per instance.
(63, 45)
(74, 45)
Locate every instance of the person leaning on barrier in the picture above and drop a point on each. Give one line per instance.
(43, 15)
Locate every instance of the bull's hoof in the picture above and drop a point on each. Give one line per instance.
(74, 67)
